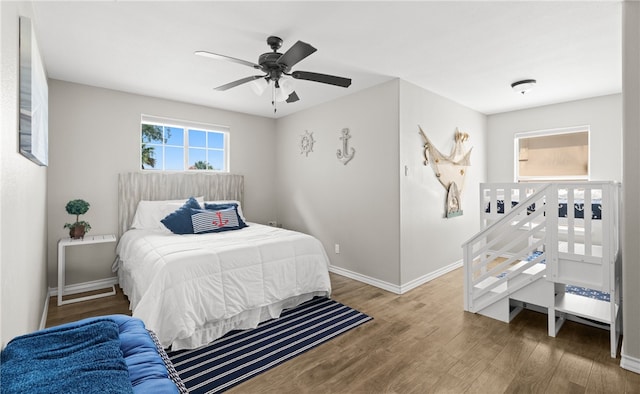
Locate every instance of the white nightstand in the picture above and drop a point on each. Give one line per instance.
(88, 240)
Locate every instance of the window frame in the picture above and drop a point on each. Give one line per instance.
(550, 132)
(187, 125)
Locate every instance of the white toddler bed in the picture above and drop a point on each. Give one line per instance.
(191, 289)
(539, 240)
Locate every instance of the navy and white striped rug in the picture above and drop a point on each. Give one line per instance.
(240, 355)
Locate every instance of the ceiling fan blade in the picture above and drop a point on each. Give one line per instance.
(238, 82)
(297, 52)
(227, 58)
(293, 97)
(322, 78)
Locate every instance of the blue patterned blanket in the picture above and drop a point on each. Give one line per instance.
(84, 358)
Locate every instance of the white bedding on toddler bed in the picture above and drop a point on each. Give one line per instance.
(192, 289)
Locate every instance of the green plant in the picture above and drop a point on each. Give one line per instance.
(201, 165)
(77, 207)
(152, 134)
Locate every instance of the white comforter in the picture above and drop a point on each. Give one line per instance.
(191, 289)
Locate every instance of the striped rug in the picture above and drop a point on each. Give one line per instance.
(240, 355)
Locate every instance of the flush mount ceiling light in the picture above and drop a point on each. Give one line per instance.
(523, 86)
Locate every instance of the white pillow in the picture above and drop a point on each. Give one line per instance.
(150, 213)
(228, 202)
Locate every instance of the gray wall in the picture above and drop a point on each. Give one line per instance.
(431, 242)
(355, 205)
(390, 227)
(95, 135)
(603, 114)
(23, 209)
(631, 187)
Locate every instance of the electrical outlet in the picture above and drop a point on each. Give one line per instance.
(337, 248)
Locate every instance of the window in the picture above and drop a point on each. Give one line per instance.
(548, 155)
(175, 145)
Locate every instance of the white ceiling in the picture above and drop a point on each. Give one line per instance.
(469, 52)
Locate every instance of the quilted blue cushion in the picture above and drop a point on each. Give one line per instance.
(147, 371)
(179, 222)
(214, 221)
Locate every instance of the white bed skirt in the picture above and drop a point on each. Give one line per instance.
(242, 321)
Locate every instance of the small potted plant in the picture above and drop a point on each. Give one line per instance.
(79, 228)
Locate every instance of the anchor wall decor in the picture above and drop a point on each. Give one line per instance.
(450, 170)
(343, 154)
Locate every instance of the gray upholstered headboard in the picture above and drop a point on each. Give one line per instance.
(136, 186)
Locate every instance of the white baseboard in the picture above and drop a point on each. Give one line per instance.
(45, 312)
(429, 277)
(75, 289)
(629, 363)
(85, 286)
(393, 287)
(365, 279)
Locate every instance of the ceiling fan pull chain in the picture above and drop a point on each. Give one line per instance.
(273, 99)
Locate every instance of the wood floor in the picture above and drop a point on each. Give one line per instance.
(423, 342)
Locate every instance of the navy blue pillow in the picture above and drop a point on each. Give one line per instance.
(179, 222)
(233, 205)
(215, 221)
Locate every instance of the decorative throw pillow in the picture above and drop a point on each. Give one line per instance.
(214, 221)
(212, 205)
(179, 222)
(149, 213)
(226, 205)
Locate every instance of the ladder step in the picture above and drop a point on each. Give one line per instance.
(534, 269)
(489, 281)
(524, 276)
(586, 307)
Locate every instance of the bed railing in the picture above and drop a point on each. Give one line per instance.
(586, 245)
(509, 193)
(578, 238)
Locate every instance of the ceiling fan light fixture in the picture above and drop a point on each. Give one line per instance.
(259, 86)
(279, 93)
(281, 97)
(286, 85)
(275, 67)
(524, 86)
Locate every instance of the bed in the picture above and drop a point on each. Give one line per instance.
(191, 289)
(106, 354)
(555, 246)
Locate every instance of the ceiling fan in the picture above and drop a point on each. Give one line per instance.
(275, 67)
